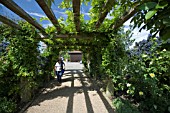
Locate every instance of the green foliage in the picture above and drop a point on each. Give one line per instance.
(155, 16)
(124, 106)
(7, 106)
(114, 56)
(149, 82)
(19, 60)
(147, 6)
(150, 14)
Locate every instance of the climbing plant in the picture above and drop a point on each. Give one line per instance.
(19, 63)
(24, 67)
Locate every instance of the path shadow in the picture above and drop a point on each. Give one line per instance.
(55, 90)
(104, 100)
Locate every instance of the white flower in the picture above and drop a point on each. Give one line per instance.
(164, 49)
(128, 85)
(160, 58)
(151, 63)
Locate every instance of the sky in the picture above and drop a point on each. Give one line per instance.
(33, 9)
(138, 36)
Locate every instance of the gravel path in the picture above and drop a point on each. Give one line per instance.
(76, 94)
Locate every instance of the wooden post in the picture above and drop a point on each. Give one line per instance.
(25, 89)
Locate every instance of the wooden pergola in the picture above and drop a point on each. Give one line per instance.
(10, 4)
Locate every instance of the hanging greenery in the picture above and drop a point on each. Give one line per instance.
(142, 77)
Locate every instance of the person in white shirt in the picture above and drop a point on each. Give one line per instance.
(59, 69)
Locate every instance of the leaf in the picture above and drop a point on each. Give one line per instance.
(169, 109)
(150, 14)
(165, 33)
(166, 21)
(160, 7)
(147, 6)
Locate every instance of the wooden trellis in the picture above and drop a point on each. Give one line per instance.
(10, 4)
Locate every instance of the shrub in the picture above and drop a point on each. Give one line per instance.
(124, 106)
(7, 106)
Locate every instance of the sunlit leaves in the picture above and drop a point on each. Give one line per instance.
(155, 16)
(161, 5)
(50, 30)
(66, 4)
(150, 14)
(44, 18)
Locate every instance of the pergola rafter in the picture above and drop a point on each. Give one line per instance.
(47, 10)
(76, 12)
(19, 11)
(9, 22)
(107, 7)
(12, 24)
(78, 36)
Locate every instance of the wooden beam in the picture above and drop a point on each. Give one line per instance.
(9, 22)
(10, 4)
(78, 36)
(62, 36)
(76, 12)
(107, 7)
(49, 13)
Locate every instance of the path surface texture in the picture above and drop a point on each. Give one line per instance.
(76, 94)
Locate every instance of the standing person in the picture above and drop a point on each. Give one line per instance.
(58, 69)
(62, 65)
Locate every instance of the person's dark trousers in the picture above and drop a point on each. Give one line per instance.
(62, 71)
(58, 73)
